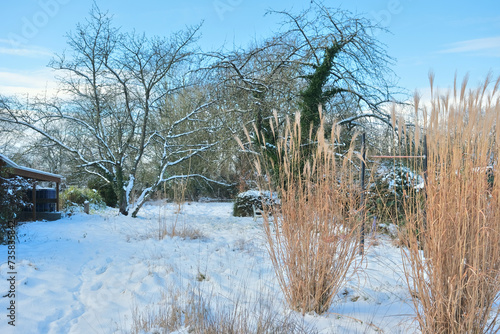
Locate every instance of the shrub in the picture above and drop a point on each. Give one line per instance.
(75, 197)
(13, 196)
(105, 190)
(12, 200)
(393, 183)
(244, 202)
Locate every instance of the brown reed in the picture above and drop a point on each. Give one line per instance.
(453, 259)
(313, 233)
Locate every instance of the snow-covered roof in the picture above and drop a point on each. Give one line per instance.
(9, 163)
(30, 172)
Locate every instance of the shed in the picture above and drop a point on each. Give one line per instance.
(36, 175)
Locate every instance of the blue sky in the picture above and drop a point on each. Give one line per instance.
(443, 36)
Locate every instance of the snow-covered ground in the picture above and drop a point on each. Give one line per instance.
(93, 273)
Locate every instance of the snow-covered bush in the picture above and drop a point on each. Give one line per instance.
(393, 184)
(105, 190)
(12, 196)
(12, 199)
(74, 197)
(244, 202)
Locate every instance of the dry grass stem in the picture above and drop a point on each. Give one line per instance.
(453, 259)
(198, 315)
(313, 239)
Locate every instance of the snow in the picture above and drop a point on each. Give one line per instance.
(12, 164)
(258, 193)
(32, 170)
(91, 273)
(9, 162)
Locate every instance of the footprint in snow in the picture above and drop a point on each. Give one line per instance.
(101, 270)
(96, 286)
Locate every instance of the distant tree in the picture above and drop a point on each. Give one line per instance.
(137, 112)
(114, 88)
(321, 56)
(356, 69)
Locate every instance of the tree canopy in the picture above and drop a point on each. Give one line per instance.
(137, 112)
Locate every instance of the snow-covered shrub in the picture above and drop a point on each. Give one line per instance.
(105, 190)
(12, 199)
(244, 202)
(13, 196)
(74, 197)
(393, 184)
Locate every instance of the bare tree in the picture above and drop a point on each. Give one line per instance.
(360, 75)
(257, 80)
(132, 110)
(113, 87)
(283, 72)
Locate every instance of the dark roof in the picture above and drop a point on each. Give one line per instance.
(29, 172)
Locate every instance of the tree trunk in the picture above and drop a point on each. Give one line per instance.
(142, 199)
(120, 191)
(123, 205)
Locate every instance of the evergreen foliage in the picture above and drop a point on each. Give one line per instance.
(76, 197)
(246, 201)
(105, 190)
(395, 186)
(315, 93)
(13, 199)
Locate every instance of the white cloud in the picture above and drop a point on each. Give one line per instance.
(7, 47)
(33, 83)
(490, 44)
(25, 52)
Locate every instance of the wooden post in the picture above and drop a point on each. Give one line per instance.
(57, 196)
(425, 180)
(33, 200)
(362, 199)
(425, 158)
(86, 207)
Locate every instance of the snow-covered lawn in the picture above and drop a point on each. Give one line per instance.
(94, 273)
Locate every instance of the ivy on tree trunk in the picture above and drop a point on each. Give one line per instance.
(315, 93)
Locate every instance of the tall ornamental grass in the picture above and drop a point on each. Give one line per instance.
(313, 233)
(453, 257)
